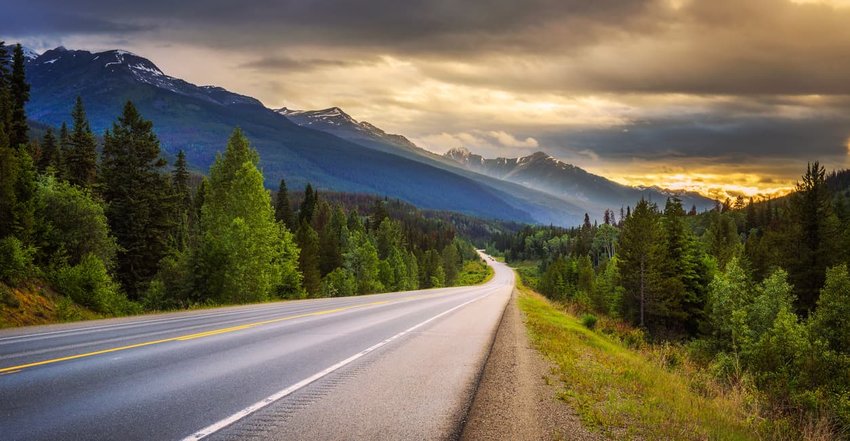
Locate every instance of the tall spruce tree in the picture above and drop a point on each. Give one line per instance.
(50, 153)
(19, 91)
(308, 205)
(81, 158)
(308, 259)
(640, 262)
(183, 200)
(811, 236)
(283, 209)
(140, 203)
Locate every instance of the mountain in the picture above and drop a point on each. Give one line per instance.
(199, 119)
(545, 173)
(335, 121)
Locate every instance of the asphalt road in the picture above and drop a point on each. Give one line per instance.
(387, 366)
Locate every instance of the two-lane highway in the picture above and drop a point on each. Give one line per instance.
(388, 366)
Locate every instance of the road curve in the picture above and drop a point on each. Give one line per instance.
(386, 366)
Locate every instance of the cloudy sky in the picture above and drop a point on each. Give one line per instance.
(723, 96)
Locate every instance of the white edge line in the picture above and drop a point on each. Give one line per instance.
(215, 427)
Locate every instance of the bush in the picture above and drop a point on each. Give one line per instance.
(589, 321)
(7, 297)
(338, 283)
(15, 260)
(90, 285)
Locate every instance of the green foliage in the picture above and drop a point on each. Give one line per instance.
(283, 209)
(831, 321)
(589, 321)
(71, 224)
(81, 150)
(16, 260)
(243, 256)
(140, 202)
(338, 283)
(308, 259)
(361, 259)
(89, 284)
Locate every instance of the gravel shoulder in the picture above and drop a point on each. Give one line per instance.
(516, 397)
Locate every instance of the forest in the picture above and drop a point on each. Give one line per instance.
(109, 225)
(758, 293)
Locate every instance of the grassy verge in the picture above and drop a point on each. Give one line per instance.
(474, 272)
(620, 391)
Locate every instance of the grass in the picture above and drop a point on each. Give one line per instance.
(33, 303)
(474, 272)
(622, 392)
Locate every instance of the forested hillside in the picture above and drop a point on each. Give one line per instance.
(758, 291)
(111, 226)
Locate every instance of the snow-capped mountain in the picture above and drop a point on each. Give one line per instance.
(199, 119)
(334, 120)
(543, 172)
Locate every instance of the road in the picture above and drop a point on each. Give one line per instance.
(386, 366)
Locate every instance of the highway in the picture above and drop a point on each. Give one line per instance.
(386, 366)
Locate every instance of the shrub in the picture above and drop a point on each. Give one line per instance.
(589, 321)
(338, 283)
(15, 260)
(89, 284)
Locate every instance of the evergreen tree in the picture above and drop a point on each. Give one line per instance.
(183, 199)
(682, 298)
(332, 242)
(640, 263)
(308, 259)
(20, 94)
(283, 209)
(140, 201)
(361, 259)
(308, 205)
(451, 264)
(81, 158)
(50, 154)
(245, 254)
(811, 236)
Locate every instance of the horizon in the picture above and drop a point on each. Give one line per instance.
(741, 110)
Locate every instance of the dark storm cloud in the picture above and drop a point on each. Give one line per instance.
(294, 64)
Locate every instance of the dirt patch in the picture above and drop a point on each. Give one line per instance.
(517, 396)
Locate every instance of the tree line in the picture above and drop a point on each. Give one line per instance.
(109, 224)
(759, 289)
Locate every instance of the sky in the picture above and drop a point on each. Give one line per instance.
(724, 97)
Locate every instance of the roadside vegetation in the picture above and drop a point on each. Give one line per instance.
(750, 300)
(104, 226)
(624, 392)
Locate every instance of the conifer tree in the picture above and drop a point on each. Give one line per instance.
(283, 209)
(81, 158)
(20, 94)
(811, 236)
(308, 259)
(183, 199)
(140, 202)
(640, 243)
(308, 205)
(332, 242)
(50, 153)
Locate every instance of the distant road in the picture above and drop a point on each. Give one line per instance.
(387, 366)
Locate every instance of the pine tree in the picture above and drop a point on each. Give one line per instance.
(308, 259)
(283, 209)
(640, 263)
(811, 244)
(308, 205)
(49, 158)
(20, 94)
(81, 159)
(140, 201)
(245, 254)
(332, 242)
(183, 199)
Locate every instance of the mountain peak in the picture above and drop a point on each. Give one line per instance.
(458, 152)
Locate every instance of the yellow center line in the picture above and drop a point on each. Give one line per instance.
(15, 369)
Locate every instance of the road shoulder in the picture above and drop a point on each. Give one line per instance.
(516, 397)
